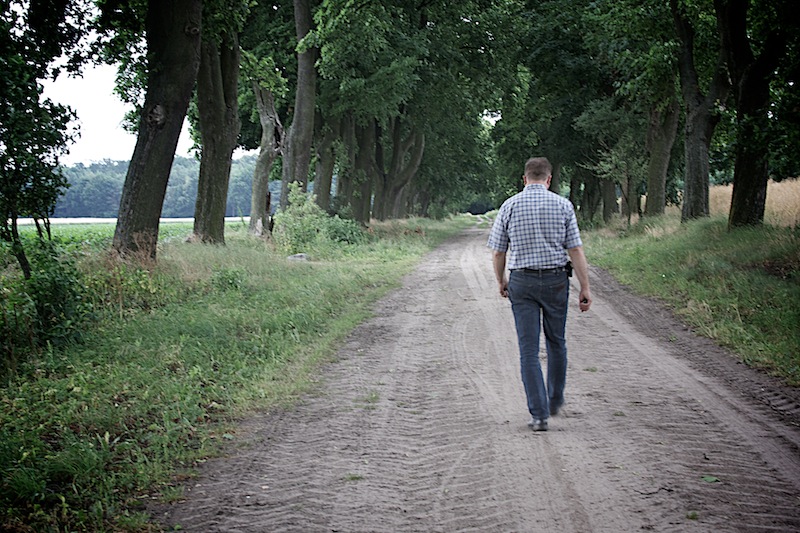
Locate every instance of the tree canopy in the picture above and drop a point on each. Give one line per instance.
(409, 107)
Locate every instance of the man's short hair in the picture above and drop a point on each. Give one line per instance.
(538, 168)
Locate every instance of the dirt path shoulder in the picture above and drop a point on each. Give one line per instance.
(420, 426)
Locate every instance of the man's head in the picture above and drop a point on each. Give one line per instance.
(538, 170)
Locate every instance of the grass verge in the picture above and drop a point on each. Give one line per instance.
(184, 350)
(740, 287)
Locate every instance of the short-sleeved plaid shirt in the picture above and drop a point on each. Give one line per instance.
(538, 226)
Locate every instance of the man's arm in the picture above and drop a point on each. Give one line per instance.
(581, 267)
(499, 262)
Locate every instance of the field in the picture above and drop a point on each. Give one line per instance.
(783, 202)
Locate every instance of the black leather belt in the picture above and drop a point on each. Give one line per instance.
(541, 271)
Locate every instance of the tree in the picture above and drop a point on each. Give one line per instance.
(172, 32)
(637, 41)
(300, 134)
(268, 61)
(265, 82)
(33, 132)
(391, 73)
(557, 78)
(704, 87)
(218, 113)
(755, 39)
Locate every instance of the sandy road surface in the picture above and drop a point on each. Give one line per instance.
(421, 427)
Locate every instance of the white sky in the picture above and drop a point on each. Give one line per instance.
(100, 113)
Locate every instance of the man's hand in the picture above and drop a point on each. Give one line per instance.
(585, 301)
(578, 259)
(499, 264)
(503, 288)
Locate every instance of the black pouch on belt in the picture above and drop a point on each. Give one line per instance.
(568, 267)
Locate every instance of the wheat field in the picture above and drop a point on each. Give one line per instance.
(783, 202)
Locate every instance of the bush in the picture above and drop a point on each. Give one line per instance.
(344, 230)
(17, 323)
(304, 226)
(47, 309)
(57, 292)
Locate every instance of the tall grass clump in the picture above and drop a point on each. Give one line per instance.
(177, 353)
(739, 287)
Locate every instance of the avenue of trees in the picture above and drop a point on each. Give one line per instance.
(412, 106)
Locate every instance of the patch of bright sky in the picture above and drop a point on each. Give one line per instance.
(100, 114)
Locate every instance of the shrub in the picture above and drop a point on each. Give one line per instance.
(304, 226)
(57, 292)
(17, 323)
(46, 309)
(344, 230)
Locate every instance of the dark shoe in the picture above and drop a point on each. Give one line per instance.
(537, 425)
(554, 409)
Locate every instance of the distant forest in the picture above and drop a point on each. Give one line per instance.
(95, 189)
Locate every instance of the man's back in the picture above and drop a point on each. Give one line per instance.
(538, 226)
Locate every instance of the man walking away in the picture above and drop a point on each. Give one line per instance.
(538, 231)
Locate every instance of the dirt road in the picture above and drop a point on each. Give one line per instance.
(421, 427)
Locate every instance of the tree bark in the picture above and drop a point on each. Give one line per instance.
(218, 109)
(18, 249)
(173, 45)
(268, 150)
(661, 133)
(700, 120)
(751, 78)
(300, 135)
(592, 196)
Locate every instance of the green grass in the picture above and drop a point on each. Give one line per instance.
(179, 353)
(740, 288)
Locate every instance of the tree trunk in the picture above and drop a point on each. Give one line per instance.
(700, 121)
(751, 78)
(661, 133)
(18, 249)
(326, 160)
(173, 50)
(364, 173)
(610, 206)
(574, 190)
(555, 183)
(297, 147)
(592, 196)
(268, 150)
(218, 109)
(344, 184)
(406, 157)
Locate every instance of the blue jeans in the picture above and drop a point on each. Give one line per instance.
(541, 300)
